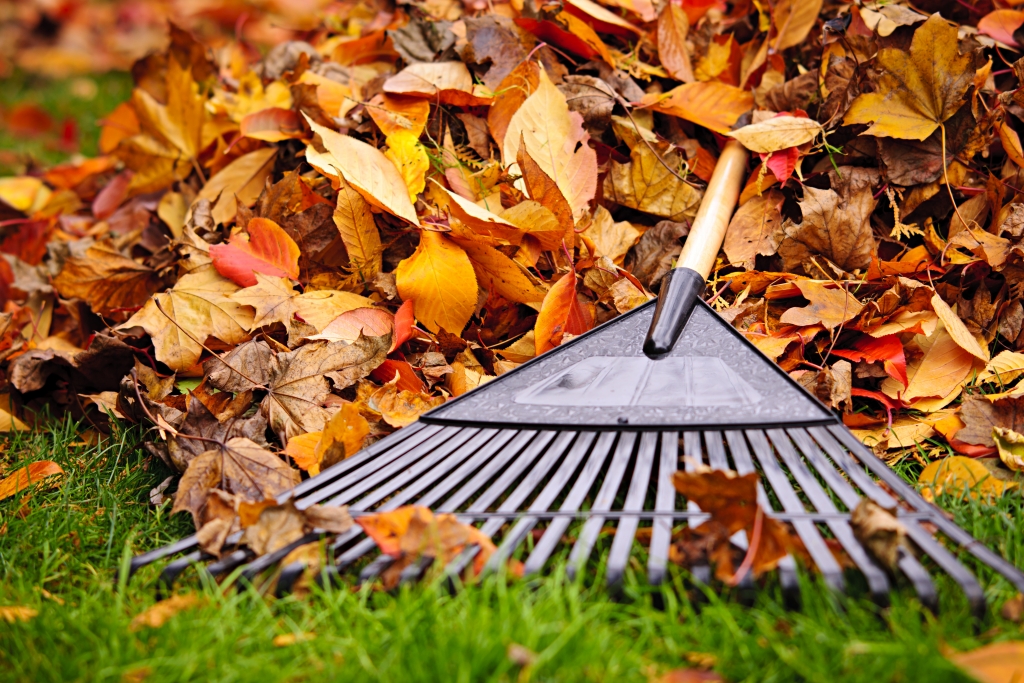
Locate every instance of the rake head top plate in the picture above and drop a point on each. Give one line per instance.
(712, 378)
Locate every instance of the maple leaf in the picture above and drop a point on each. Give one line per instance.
(106, 279)
(711, 104)
(646, 185)
(263, 248)
(241, 181)
(829, 306)
(754, 229)
(296, 382)
(919, 90)
(439, 279)
(274, 299)
(240, 467)
(197, 307)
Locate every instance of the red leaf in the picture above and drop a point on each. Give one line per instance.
(112, 195)
(551, 32)
(1001, 25)
(408, 380)
(404, 319)
(889, 403)
(265, 249)
(28, 241)
(887, 349)
(782, 163)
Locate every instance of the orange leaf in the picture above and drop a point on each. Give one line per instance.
(713, 105)
(404, 320)
(561, 313)
(673, 26)
(387, 528)
(439, 278)
(28, 475)
(272, 125)
(1001, 25)
(267, 249)
(408, 380)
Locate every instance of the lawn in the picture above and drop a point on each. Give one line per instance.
(60, 549)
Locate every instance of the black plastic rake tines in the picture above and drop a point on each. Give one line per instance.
(520, 486)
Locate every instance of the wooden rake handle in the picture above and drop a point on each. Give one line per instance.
(683, 286)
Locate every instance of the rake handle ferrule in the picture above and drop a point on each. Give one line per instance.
(681, 287)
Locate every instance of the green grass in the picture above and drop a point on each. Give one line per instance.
(70, 540)
(86, 100)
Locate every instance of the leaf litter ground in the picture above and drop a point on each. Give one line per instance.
(278, 259)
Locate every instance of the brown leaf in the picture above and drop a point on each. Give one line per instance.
(836, 224)
(981, 416)
(754, 229)
(656, 251)
(358, 231)
(106, 279)
(879, 531)
(161, 612)
(672, 29)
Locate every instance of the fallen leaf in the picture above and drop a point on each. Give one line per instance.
(33, 473)
(959, 475)
(711, 104)
(561, 313)
(274, 299)
(447, 82)
(995, 663)
(777, 133)
(13, 613)
(160, 613)
(439, 279)
(673, 25)
(358, 231)
(829, 306)
(981, 417)
(556, 140)
(263, 248)
(1010, 445)
(942, 368)
(646, 185)
(793, 20)
(181, 319)
(240, 181)
(887, 349)
(919, 90)
(401, 407)
(957, 330)
(106, 279)
(754, 229)
(879, 531)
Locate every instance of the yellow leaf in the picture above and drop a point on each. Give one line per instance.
(10, 423)
(342, 438)
(956, 328)
(995, 663)
(498, 273)
(957, 474)
(286, 639)
(829, 306)
(941, 370)
(917, 91)
(411, 160)
(13, 613)
(160, 613)
(399, 114)
(1004, 369)
(358, 231)
(646, 185)
(778, 133)
(364, 167)
(302, 449)
(793, 20)
(552, 135)
(611, 239)
(1011, 447)
(200, 304)
(440, 281)
(711, 104)
(24, 193)
(241, 180)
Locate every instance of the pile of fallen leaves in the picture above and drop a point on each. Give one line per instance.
(281, 258)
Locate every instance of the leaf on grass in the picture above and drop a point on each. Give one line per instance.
(199, 303)
(960, 475)
(994, 663)
(956, 329)
(556, 140)
(440, 280)
(364, 167)
(37, 472)
(1010, 446)
(13, 613)
(829, 306)
(241, 467)
(106, 279)
(263, 248)
(919, 90)
(161, 612)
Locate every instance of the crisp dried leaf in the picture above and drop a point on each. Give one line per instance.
(673, 25)
(754, 229)
(556, 140)
(34, 473)
(358, 231)
(793, 20)
(1010, 445)
(439, 279)
(777, 133)
(274, 299)
(919, 90)
(240, 181)
(106, 279)
(646, 185)
(830, 306)
(264, 248)
(197, 307)
(941, 370)
(711, 104)
(956, 329)
(959, 475)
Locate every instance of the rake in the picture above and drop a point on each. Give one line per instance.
(593, 432)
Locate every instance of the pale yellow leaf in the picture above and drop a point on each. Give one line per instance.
(956, 328)
(777, 133)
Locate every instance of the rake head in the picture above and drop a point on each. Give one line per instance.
(579, 434)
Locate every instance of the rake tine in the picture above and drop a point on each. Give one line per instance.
(140, 561)
(908, 564)
(512, 503)
(174, 569)
(718, 460)
(693, 457)
(661, 536)
(948, 527)
(543, 502)
(878, 582)
(602, 503)
(618, 556)
(807, 531)
(553, 534)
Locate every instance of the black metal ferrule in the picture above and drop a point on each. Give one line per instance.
(680, 290)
